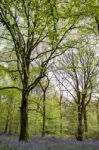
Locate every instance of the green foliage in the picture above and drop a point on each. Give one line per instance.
(32, 34)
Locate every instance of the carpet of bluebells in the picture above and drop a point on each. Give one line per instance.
(45, 143)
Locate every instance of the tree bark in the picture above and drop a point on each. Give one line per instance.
(85, 120)
(24, 136)
(80, 130)
(97, 110)
(61, 124)
(44, 115)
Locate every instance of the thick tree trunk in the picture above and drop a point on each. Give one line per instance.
(80, 130)
(24, 136)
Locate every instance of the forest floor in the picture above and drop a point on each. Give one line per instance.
(45, 143)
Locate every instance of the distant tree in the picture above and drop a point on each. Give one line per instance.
(44, 86)
(78, 70)
(61, 102)
(97, 110)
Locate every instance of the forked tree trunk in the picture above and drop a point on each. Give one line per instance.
(44, 90)
(24, 136)
(80, 130)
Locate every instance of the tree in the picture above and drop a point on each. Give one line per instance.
(78, 70)
(97, 110)
(60, 87)
(44, 87)
(34, 41)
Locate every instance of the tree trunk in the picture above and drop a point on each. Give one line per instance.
(98, 116)
(7, 123)
(80, 130)
(97, 111)
(61, 125)
(10, 125)
(9, 114)
(44, 115)
(85, 121)
(24, 136)
(17, 127)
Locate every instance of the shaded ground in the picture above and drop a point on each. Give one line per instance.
(45, 143)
